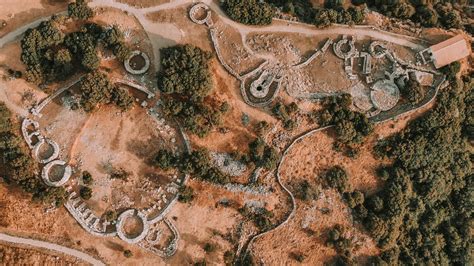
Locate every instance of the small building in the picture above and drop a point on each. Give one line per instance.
(446, 52)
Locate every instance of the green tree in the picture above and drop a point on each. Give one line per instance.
(79, 10)
(336, 177)
(250, 12)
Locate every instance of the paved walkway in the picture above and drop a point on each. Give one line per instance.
(47, 245)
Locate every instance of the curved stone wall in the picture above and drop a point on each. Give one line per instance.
(47, 168)
(140, 71)
(120, 226)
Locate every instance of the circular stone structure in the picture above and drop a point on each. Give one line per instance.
(137, 63)
(37, 148)
(344, 54)
(47, 179)
(193, 14)
(377, 49)
(121, 224)
(384, 95)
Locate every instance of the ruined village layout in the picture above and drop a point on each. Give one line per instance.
(236, 132)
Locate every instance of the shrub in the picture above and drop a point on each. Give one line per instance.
(165, 159)
(87, 178)
(127, 253)
(337, 178)
(229, 257)
(110, 216)
(186, 194)
(261, 217)
(305, 191)
(298, 256)
(86, 193)
(209, 247)
(120, 174)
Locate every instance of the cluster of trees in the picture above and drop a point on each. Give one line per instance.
(260, 216)
(79, 10)
(262, 155)
(186, 83)
(19, 168)
(332, 12)
(256, 12)
(51, 55)
(96, 89)
(252, 12)
(338, 240)
(351, 127)
(433, 13)
(286, 113)
(197, 164)
(424, 211)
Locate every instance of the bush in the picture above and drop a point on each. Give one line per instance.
(261, 217)
(186, 194)
(165, 159)
(354, 198)
(87, 178)
(229, 256)
(338, 240)
(86, 193)
(127, 253)
(298, 256)
(305, 191)
(337, 178)
(451, 70)
(110, 216)
(120, 174)
(209, 247)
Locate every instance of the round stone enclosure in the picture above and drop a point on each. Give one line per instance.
(199, 13)
(384, 95)
(137, 63)
(132, 226)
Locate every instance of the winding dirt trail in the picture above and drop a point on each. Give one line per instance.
(47, 245)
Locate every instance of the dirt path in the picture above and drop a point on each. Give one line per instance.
(47, 245)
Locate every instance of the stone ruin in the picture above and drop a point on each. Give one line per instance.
(132, 68)
(78, 208)
(30, 130)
